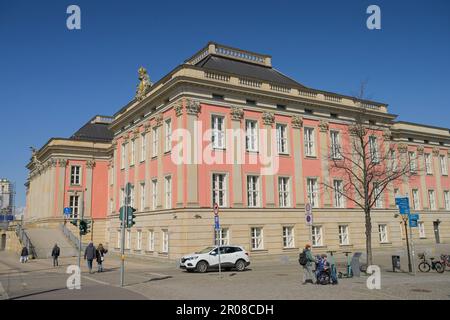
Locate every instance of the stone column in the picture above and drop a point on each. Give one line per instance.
(324, 153)
(236, 116)
(161, 180)
(147, 129)
(439, 191)
(297, 123)
(90, 164)
(402, 149)
(268, 121)
(180, 182)
(192, 111)
(423, 185)
(53, 210)
(387, 152)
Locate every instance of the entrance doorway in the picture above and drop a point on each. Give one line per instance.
(3, 242)
(436, 231)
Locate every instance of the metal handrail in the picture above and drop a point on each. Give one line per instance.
(25, 240)
(70, 236)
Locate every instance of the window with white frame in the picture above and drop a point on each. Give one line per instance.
(288, 237)
(168, 191)
(310, 148)
(312, 190)
(317, 237)
(119, 238)
(132, 198)
(428, 163)
(432, 199)
(421, 226)
(168, 130)
(392, 160)
(343, 235)
(154, 194)
(412, 161)
(338, 194)
(143, 146)
(283, 192)
(75, 175)
(142, 192)
(373, 148)
(165, 242)
(335, 145)
(218, 132)
(74, 205)
(416, 199)
(139, 240)
(122, 156)
(155, 142)
(251, 135)
(378, 195)
(133, 152)
(222, 237)
(382, 233)
(257, 238)
(282, 143)
(151, 240)
(253, 191)
(122, 197)
(219, 189)
(447, 199)
(127, 238)
(396, 193)
(444, 166)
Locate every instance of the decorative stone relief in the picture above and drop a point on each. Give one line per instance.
(268, 118)
(237, 113)
(192, 107)
(179, 109)
(297, 122)
(420, 150)
(324, 126)
(147, 127)
(63, 163)
(402, 147)
(90, 164)
(158, 119)
(436, 151)
(387, 135)
(144, 85)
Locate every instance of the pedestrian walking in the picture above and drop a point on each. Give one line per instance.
(307, 261)
(55, 254)
(100, 253)
(90, 255)
(24, 255)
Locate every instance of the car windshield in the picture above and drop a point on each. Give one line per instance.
(206, 250)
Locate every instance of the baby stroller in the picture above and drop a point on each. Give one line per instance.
(323, 270)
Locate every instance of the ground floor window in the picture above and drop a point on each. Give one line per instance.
(317, 236)
(127, 239)
(139, 240)
(421, 229)
(222, 237)
(288, 237)
(151, 240)
(74, 205)
(343, 235)
(165, 240)
(257, 238)
(382, 232)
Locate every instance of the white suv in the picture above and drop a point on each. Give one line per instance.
(208, 258)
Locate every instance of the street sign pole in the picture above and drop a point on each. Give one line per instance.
(217, 227)
(412, 249)
(80, 240)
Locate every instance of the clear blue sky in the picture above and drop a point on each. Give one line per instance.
(53, 80)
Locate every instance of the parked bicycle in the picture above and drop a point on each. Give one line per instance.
(425, 266)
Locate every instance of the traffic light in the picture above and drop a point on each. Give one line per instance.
(88, 226)
(83, 227)
(131, 217)
(122, 213)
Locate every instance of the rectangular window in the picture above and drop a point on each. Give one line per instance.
(219, 189)
(74, 205)
(251, 134)
(373, 148)
(396, 193)
(312, 189)
(139, 240)
(444, 167)
(343, 235)
(142, 196)
(168, 191)
(218, 134)
(421, 229)
(143, 146)
(338, 194)
(165, 240)
(75, 175)
(317, 236)
(122, 156)
(154, 194)
(127, 238)
(283, 192)
(378, 195)
(132, 198)
(416, 199)
(412, 161)
(335, 145)
(282, 144)
(392, 160)
(151, 240)
(253, 191)
(155, 142)
(382, 233)
(447, 200)
(222, 237)
(168, 130)
(288, 237)
(257, 238)
(432, 199)
(428, 164)
(310, 148)
(133, 152)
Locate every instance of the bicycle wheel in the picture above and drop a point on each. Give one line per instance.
(424, 267)
(439, 267)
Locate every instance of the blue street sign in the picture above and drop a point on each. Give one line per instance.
(403, 205)
(6, 217)
(216, 223)
(413, 218)
(67, 211)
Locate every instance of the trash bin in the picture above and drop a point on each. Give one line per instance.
(395, 263)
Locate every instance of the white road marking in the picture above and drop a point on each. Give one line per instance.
(95, 280)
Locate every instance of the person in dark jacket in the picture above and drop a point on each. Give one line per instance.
(90, 255)
(308, 274)
(24, 255)
(55, 255)
(100, 256)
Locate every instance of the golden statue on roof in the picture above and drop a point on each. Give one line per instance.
(144, 84)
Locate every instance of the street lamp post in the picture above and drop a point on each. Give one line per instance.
(405, 223)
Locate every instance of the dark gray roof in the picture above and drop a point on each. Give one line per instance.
(94, 131)
(212, 62)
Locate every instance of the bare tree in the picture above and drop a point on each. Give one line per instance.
(366, 165)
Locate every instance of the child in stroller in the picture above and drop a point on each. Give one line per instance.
(323, 270)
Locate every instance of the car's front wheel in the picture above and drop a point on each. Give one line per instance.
(202, 266)
(240, 265)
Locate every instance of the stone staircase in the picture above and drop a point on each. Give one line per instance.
(44, 239)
